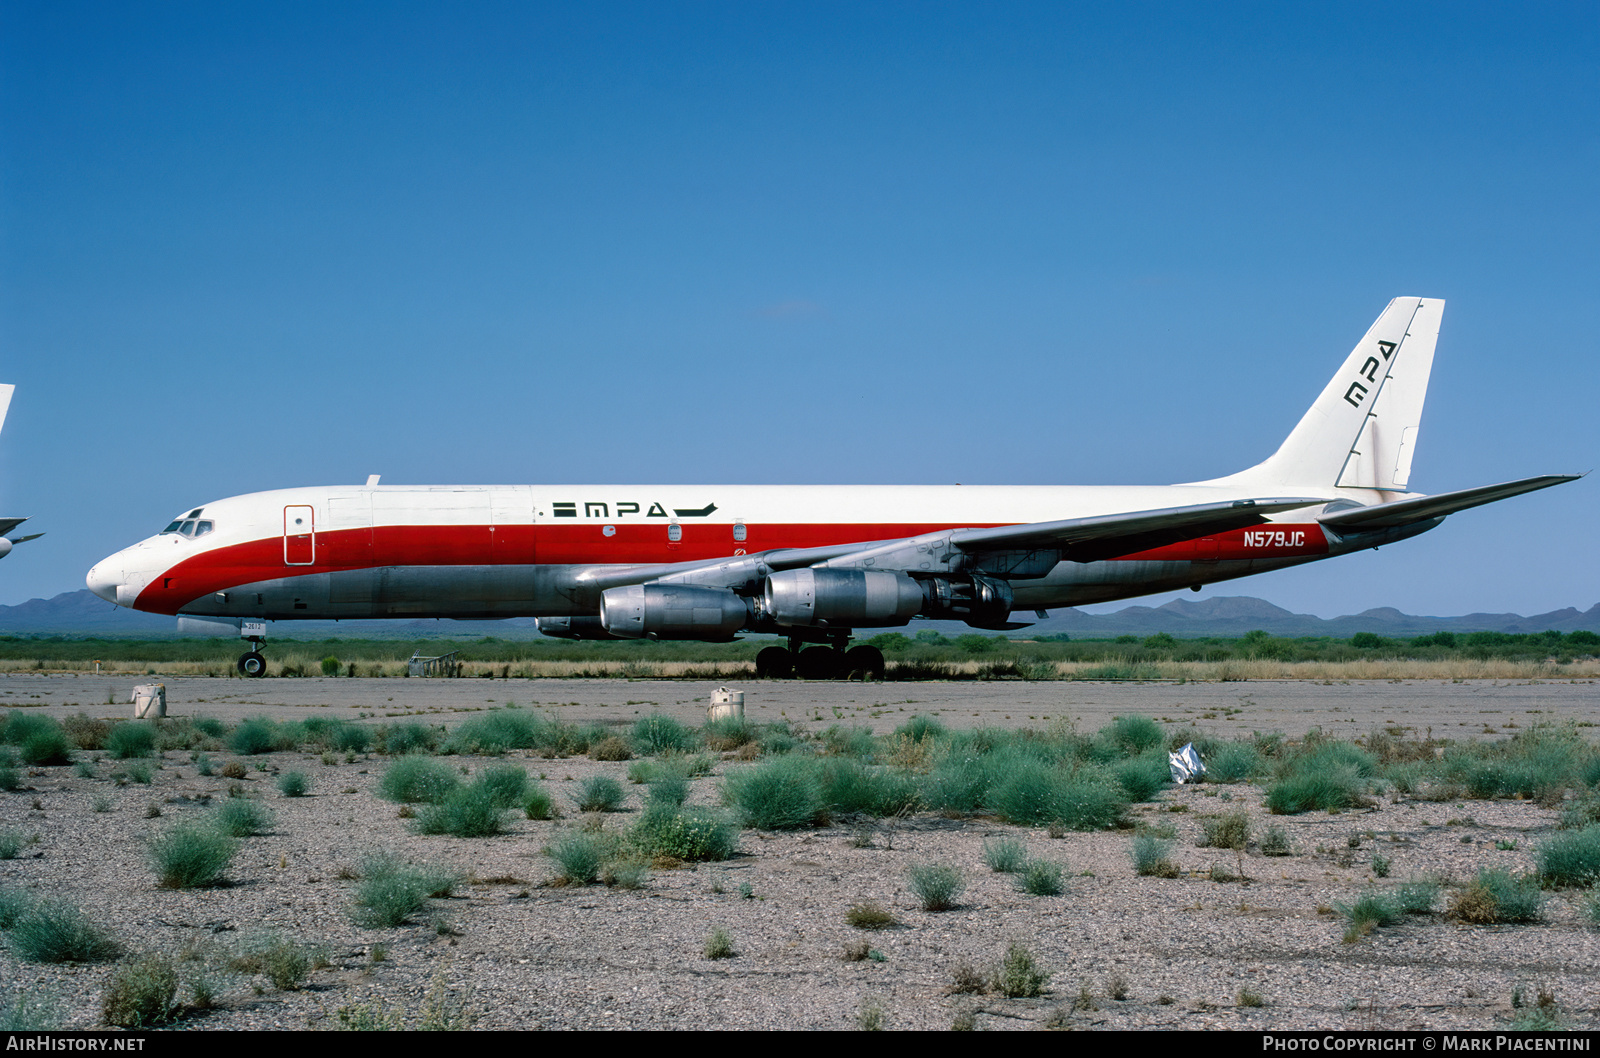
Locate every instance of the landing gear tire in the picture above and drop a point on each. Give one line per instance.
(252, 664)
(774, 663)
(819, 663)
(863, 663)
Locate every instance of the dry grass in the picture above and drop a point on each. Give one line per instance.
(1201, 671)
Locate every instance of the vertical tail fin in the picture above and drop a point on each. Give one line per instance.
(6, 389)
(1362, 431)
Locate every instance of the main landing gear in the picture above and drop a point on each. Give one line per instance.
(832, 662)
(251, 663)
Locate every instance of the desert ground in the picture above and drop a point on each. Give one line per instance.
(1236, 940)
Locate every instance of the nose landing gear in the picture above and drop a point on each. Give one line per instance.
(251, 663)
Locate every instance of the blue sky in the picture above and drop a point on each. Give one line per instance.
(251, 246)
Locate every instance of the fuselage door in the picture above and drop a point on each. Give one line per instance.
(299, 536)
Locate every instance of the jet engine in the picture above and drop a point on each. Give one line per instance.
(572, 627)
(983, 602)
(849, 598)
(670, 611)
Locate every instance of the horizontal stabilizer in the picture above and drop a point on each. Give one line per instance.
(1404, 512)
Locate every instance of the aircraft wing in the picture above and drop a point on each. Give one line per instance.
(8, 524)
(1404, 512)
(1077, 539)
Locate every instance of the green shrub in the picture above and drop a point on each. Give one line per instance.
(242, 818)
(1019, 975)
(1417, 897)
(1040, 878)
(697, 834)
(1143, 777)
(921, 728)
(10, 778)
(285, 963)
(13, 904)
(133, 739)
(471, 812)
(1233, 762)
(1339, 788)
(784, 793)
(938, 885)
(253, 737)
(1231, 831)
(1152, 857)
(536, 803)
(626, 872)
(719, 944)
(40, 739)
(1005, 856)
(653, 735)
(1571, 858)
(349, 738)
(610, 748)
(391, 892)
(192, 855)
(55, 932)
(418, 780)
(47, 747)
(1495, 896)
(398, 739)
(727, 733)
(869, 915)
(139, 771)
(1370, 910)
(11, 842)
(293, 784)
(1136, 734)
(505, 784)
(209, 726)
(31, 1013)
(578, 856)
(1276, 843)
(850, 786)
(495, 733)
(330, 666)
(599, 793)
(669, 787)
(141, 993)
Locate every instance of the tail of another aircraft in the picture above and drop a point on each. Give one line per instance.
(1362, 431)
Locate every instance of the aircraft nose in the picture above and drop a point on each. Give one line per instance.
(103, 580)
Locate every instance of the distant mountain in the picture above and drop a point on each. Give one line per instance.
(1234, 616)
(81, 613)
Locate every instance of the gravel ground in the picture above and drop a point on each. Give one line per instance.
(510, 951)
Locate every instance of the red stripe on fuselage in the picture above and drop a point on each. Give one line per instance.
(222, 568)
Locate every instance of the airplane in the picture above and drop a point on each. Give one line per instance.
(8, 524)
(811, 564)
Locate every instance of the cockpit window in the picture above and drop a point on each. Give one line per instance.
(190, 526)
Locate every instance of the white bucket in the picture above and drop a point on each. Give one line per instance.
(149, 701)
(725, 703)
